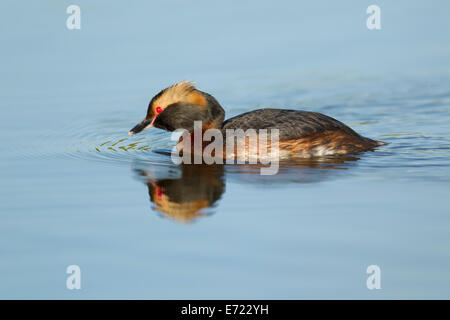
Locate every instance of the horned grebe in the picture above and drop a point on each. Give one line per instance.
(301, 133)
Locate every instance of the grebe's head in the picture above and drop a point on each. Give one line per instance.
(178, 106)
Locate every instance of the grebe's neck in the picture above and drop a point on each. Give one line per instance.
(216, 114)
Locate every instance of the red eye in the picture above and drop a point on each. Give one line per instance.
(158, 109)
(159, 191)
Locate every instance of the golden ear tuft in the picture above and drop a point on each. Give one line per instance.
(179, 90)
(183, 91)
(185, 85)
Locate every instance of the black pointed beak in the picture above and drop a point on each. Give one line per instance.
(145, 124)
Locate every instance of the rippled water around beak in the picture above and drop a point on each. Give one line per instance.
(75, 188)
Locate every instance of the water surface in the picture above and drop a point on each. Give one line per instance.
(76, 189)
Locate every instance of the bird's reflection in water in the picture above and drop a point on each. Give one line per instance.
(294, 171)
(187, 192)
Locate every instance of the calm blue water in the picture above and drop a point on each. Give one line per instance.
(76, 189)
